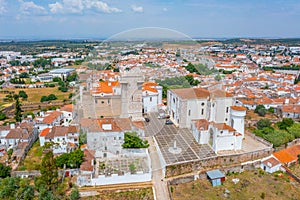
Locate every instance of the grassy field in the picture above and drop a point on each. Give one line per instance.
(138, 194)
(252, 185)
(296, 170)
(33, 158)
(35, 94)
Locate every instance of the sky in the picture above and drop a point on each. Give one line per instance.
(97, 19)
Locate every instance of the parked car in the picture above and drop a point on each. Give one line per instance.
(168, 122)
(164, 117)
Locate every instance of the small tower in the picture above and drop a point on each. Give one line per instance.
(131, 94)
(237, 118)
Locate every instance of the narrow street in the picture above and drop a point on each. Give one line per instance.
(159, 183)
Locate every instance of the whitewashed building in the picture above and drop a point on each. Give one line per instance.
(211, 116)
(152, 97)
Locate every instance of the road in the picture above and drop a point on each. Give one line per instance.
(160, 185)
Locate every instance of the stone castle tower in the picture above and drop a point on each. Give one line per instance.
(131, 94)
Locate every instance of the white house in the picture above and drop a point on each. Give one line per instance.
(152, 97)
(68, 114)
(65, 138)
(211, 116)
(270, 164)
(219, 136)
(49, 119)
(187, 104)
(106, 135)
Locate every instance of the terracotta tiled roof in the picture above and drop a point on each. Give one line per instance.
(201, 124)
(87, 163)
(117, 124)
(67, 108)
(139, 124)
(291, 108)
(288, 155)
(271, 162)
(45, 132)
(238, 108)
(51, 117)
(191, 93)
(223, 126)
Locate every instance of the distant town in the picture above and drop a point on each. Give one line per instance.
(197, 119)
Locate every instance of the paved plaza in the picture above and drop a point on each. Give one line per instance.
(176, 145)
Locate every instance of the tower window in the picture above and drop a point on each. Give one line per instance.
(189, 112)
(227, 109)
(150, 99)
(202, 111)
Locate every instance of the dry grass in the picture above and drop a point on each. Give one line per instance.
(296, 170)
(252, 185)
(137, 194)
(33, 158)
(35, 94)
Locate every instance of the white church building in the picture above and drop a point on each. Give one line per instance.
(211, 115)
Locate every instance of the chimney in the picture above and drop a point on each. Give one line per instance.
(286, 101)
(12, 126)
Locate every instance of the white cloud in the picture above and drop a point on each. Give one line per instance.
(2, 7)
(165, 9)
(137, 8)
(30, 7)
(78, 6)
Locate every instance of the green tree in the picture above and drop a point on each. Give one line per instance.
(260, 110)
(18, 110)
(285, 123)
(4, 171)
(56, 79)
(82, 138)
(271, 110)
(74, 194)
(132, 168)
(71, 160)
(23, 94)
(294, 130)
(44, 98)
(262, 123)
(2, 116)
(72, 77)
(24, 75)
(218, 77)
(131, 140)
(48, 171)
(8, 187)
(51, 97)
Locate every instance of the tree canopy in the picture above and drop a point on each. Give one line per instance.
(131, 140)
(4, 171)
(260, 110)
(71, 160)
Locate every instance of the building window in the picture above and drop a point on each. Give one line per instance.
(202, 104)
(102, 102)
(150, 99)
(108, 101)
(227, 109)
(226, 119)
(189, 112)
(202, 111)
(173, 100)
